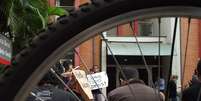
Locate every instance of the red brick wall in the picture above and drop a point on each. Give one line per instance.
(90, 55)
(52, 2)
(124, 30)
(80, 2)
(90, 52)
(193, 48)
(86, 52)
(97, 50)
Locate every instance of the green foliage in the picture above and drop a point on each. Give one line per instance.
(57, 11)
(28, 16)
(25, 18)
(21, 20)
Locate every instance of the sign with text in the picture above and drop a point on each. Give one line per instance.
(98, 80)
(80, 76)
(5, 50)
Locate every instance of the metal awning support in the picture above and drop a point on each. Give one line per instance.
(148, 49)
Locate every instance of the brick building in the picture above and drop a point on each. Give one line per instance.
(92, 50)
(193, 50)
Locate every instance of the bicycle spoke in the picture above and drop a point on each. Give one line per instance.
(115, 59)
(117, 64)
(186, 49)
(185, 55)
(159, 52)
(86, 67)
(150, 81)
(145, 63)
(172, 52)
(38, 98)
(71, 91)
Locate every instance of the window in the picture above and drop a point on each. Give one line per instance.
(145, 27)
(66, 4)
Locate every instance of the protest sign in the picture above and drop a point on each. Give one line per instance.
(98, 80)
(80, 76)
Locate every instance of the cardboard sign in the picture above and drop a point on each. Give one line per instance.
(80, 76)
(98, 80)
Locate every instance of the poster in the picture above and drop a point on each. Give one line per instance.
(80, 76)
(98, 80)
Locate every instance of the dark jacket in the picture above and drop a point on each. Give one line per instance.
(50, 93)
(172, 89)
(192, 93)
(141, 92)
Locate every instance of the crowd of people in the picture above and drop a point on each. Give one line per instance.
(132, 88)
(51, 89)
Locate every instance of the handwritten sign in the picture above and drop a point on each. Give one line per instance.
(80, 76)
(98, 80)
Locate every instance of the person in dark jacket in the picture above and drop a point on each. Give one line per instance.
(194, 79)
(96, 93)
(172, 88)
(133, 89)
(193, 93)
(46, 91)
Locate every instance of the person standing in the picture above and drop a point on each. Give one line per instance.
(97, 92)
(193, 92)
(46, 91)
(172, 88)
(133, 89)
(194, 79)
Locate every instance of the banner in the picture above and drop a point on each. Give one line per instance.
(80, 76)
(5, 50)
(98, 80)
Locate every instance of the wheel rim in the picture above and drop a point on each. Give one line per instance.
(173, 11)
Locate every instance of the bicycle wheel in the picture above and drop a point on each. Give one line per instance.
(51, 44)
